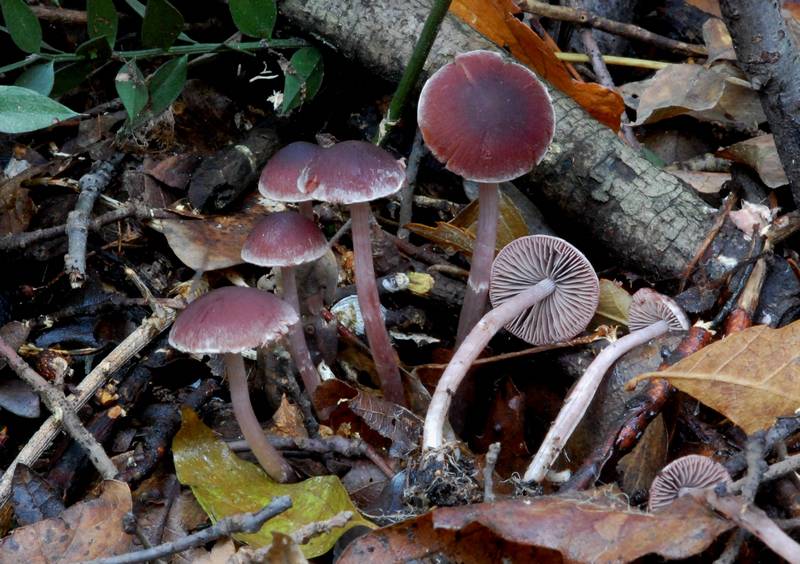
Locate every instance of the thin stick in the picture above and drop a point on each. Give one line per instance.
(407, 192)
(413, 69)
(613, 60)
(225, 527)
(585, 17)
(61, 409)
(130, 346)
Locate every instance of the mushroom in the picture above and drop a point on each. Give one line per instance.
(683, 475)
(488, 120)
(355, 173)
(650, 315)
(278, 180)
(228, 321)
(543, 290)
(286, 240)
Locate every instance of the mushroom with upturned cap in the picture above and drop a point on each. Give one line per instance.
(488, 120)
(355, 173)
(681, 476)
(279, 179)
(228, 321)
(543, 290)
(287, 240)
(650, 315)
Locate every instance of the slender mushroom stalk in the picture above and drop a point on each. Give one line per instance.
(543, 289)
(355, 173)
(267, 455)
(287, 240)
(228, 321)
(488, 120)
(651, 315)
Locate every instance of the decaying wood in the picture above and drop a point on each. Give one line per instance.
(645, 217)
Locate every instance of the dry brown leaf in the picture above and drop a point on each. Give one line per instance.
(640, 466)
(760, 154)
(446, 235)
(16, 207)
(718, 41)
(601, 529)
(495, 20)
(613, 306)
(87, 530)
(389, 420)
(708, 6)
(696, 91)
(751, 377)
(288, 421)
(703, 182)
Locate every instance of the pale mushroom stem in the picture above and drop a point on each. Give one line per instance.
(581, 396)
(297, 339)
(477, 291)
(476, 340)
(267, 455)
(306, 209)
(367, 289)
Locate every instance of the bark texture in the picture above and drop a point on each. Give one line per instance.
(767, 52)
(646, 218)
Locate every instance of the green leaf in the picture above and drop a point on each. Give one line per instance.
(102, 16)
(161, 25)
(166, 84)
(303, 78)
(224, 484)
(26, 33)
(38, 78)
(254, 17)
(613, 306)
(23, 110)
(132, 89)
(70, 76)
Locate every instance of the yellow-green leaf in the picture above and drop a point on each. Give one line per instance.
(751, 377)
(613, 306)
(224, 484)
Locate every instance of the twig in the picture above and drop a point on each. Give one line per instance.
(613, 60)
(413, 69)
(773, 472)
(130, 210)
(585, 17)
(407, 192)
(488, 472)
(61, 409)
(41, 440)
(340, 233)
(225, 527)
(91, 185)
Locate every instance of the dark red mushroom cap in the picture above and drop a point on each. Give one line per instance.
(278, 180)
(351, 172)
(284, 239)
(563, 314)
(683, 475)
(231, 320)
(485, 118)
(648, 307)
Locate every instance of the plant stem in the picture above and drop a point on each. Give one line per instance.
(382, 352)
(268, 456)
(482, 255)
(469, 350)
(297, 339)
(581, 396)
(413, 69)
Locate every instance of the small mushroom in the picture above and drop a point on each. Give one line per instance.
(228, 321)
(488, 120)
(650, 315)
(355, 173)
(279, 179)
(679, 477)
(543, 290)
(286, 240)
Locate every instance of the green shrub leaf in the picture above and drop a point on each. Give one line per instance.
(303, 78)
(23, 110)
(102, 16)
(38, 78)
(254, 17)
(132, 89)
(166, 84)
(161, 25)
(26, 33)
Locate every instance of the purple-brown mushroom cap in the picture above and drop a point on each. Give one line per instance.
(231, 320)
(648, 307)
(563, 314)
(487, 119)
(351, 172)
(279, 178)
(284, 239)
(683, 475)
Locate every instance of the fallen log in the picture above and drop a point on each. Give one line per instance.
(644, 217)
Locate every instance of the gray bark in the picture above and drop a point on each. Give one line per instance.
(646, 218)
(767, 53)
